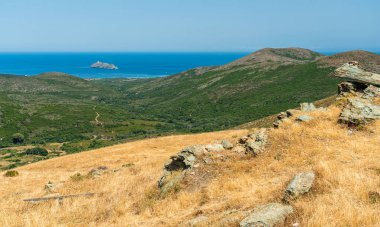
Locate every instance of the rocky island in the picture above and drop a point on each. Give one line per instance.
(104, 65)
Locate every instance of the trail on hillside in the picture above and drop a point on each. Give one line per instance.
(97, 122)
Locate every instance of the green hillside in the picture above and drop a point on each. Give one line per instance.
(83, 114)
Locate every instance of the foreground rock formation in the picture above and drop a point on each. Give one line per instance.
(362, 93)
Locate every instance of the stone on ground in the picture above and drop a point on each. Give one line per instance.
(299, 185)
(267, 215)
(307, 107)
(359, 111)
(304, 118)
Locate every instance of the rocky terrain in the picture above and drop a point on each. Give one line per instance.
(315, 167)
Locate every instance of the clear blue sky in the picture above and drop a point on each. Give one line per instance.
(188, 25)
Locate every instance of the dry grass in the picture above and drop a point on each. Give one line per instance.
(347, 166)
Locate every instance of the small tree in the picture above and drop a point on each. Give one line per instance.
(18, 138)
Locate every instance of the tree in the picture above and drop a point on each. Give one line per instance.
(18, 138)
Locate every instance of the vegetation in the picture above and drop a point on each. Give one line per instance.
(37, 151)
(11, 173)
(86, 114)
(345, 191)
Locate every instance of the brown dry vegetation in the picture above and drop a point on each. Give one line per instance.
(347, 164)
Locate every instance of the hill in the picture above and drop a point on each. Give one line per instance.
(256, 86)
(222, 191)
(65, 114)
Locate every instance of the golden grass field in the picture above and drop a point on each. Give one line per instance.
(347, 167)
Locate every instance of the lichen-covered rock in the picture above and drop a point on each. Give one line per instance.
(214, 147)
(371, 92)
(359, 111)
(267, 215)
(307, 107)
(304, 118)
(227, 144)
(352, 72)
(299, 185)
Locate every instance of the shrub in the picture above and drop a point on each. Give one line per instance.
(18, 138)
(37, 151)
(11, 173)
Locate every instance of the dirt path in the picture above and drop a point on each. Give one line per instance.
(97, 122)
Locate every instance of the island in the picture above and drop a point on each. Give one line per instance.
(104, 65)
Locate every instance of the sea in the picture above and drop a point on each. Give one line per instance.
(131, 65)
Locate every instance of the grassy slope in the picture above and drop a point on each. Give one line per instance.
(347, 167)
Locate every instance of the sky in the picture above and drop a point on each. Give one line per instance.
(187, 25)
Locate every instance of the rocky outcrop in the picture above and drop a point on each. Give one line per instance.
(104, 65)
(359, 111)
(299, 185)
(351, 72)
(268, 215)
(253, 143)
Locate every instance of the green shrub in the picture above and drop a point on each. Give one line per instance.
(11, 173)
(37, 151)
(18, 138)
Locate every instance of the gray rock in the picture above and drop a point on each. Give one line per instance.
(359, 111)
(227, 144)
(299, 185)
(214, 147)
(371, 92)
(196, 221)
(267, 215)
(304, 118)
(307, 107)
(352, 72)
(256, 142)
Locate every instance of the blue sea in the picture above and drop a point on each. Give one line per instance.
(131, 65)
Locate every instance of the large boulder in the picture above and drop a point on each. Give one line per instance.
(359, 111)
(351, 72)
(299, 185)
(267, 215)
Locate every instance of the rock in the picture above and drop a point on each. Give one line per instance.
(227, 144)
(196, 221)
(176, 168)
(214, 147)
(307, 107)
(267, 215)
(239, 149)
(371, 92)
(299, 185)
(50, 187)
(255, 142)
(352, 72)
(98, 171)
(104, 65)
(282, 115)
(254, 147)
(346, 87)
(359, 111)
(304, 118)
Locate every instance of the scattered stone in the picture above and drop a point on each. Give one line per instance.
(253, 143)
(359, 111)
(227, 144)
(98, 171)
(352, 72)
(307, 107)
(267, 215)
(299, 185)
(374, 197)
(50, 187)
(196, 221)
(214, 147)
(304, 118)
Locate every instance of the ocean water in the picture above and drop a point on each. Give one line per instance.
(131, 65)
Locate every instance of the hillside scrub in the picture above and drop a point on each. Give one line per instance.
(344, 193)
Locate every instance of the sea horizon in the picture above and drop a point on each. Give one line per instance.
(130, 64)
